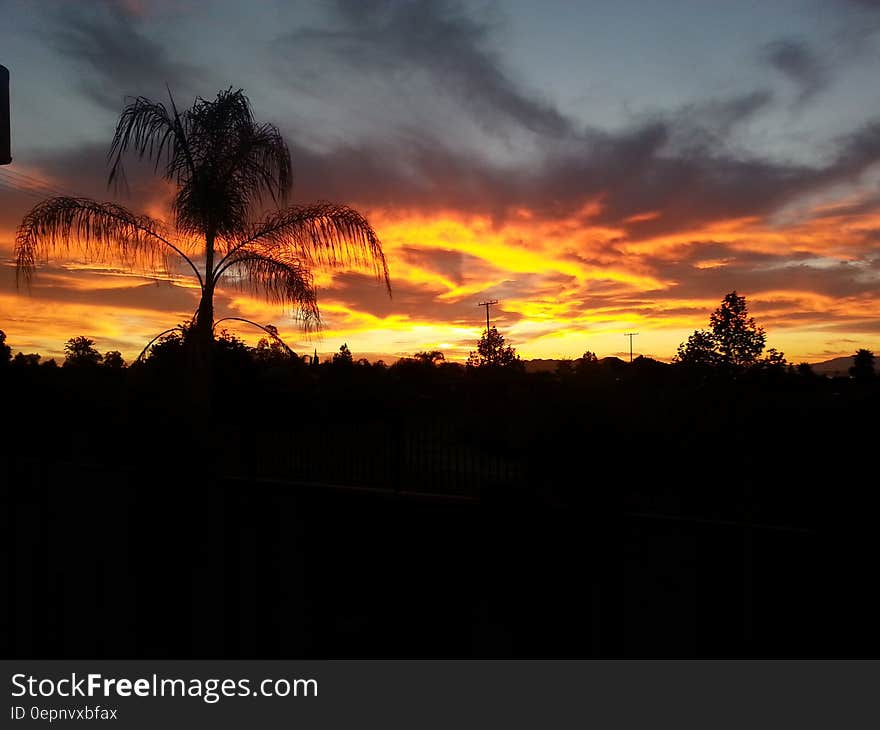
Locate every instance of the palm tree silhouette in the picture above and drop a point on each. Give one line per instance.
(227, 168)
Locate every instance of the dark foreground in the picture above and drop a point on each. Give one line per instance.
(436, 516)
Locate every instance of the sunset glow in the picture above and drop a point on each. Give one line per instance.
(583, 226)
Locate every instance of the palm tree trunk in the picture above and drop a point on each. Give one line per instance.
(203, 334)
(203, 327)
(208, 578)
(200, 382)
(202, 343)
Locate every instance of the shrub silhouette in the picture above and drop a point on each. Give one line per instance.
(80, 352)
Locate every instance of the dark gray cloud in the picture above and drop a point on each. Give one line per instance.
(867, 4)
(435, 39)
(709, 123)
(19, 196)
(52, 283)
(83, 172)
(798, 62)
(121, 58)
(634, 171)
(676, 164)
(857, 151)
(77, 172)
(758, 271)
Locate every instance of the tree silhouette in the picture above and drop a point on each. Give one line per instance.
(343, 357)
(225, 167)
(805, 370)
(586, 363)
(430, 357)
(113, 360)
(30, 360)
(5, 350)
(774, 360)
(272, 350)
(733, 340)
(698, 351)
(80, 352)
(492, 352)
(166, 352)
(863, 365)
(738, 340)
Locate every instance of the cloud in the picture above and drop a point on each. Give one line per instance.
(857, 151)
(449, 264)
(480, 188)
(675, 166)
(798, 62)
(83, 172)
(422, 48)
(866, 4)
(709, 123)
(77, 172)
(359, 293)
(702, 269)
(120, 55)
(631, 172)
(106, 290)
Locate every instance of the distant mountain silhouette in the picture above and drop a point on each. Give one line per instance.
(541, 366)
(550, 365)
(838, 366)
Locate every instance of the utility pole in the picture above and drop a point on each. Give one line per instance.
(487, 304)
(5, 141)
(630, 335)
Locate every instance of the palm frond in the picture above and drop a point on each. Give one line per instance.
(323, 234)
(261, 163)
(162, 334)
(268, 329)
(269, 160)
(147, 128)
(236, 163)
(279, 279)
(105, 232)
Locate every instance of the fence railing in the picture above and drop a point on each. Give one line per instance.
(135, 562)
(415, 460)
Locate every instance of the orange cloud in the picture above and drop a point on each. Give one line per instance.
(565, 285)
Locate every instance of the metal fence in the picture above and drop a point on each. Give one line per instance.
(408, 460)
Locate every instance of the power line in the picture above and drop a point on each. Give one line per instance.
(15, 184)
(22, 186)
(14, 189)
(18, 173)
(22, 181)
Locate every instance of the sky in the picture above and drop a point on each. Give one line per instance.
(597, 167)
